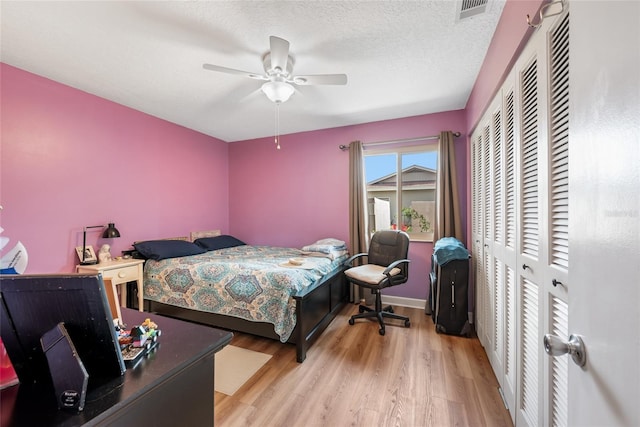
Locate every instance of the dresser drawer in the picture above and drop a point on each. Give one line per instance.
(122, 275)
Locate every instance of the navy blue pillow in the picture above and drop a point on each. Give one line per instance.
(162, 249)
(218, 242)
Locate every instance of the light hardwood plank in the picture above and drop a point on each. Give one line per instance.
(355, 377)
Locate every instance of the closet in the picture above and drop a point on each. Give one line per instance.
(520, 211)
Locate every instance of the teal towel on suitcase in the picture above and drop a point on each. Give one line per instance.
(448, 249)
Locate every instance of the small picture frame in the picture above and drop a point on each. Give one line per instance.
(89, 254)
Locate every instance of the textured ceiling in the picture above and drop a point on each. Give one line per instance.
(402, 58)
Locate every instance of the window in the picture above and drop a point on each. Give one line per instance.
(407, 203)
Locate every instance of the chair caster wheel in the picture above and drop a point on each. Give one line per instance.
(381, 331)
(361, 309)
(351, 322)
(390, 309)
(407, 323)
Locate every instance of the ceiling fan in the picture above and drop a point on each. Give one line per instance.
(278, 69)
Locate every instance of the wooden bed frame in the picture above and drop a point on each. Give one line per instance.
(316, 306)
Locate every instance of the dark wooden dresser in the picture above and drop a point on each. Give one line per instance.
(172, 386)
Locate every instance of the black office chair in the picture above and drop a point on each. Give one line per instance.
(387, 265)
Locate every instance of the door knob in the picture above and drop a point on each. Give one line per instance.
(555, 346)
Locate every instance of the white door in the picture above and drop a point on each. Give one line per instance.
(381, 213)
(604, 227)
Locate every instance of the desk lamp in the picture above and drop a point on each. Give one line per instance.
(109, 233)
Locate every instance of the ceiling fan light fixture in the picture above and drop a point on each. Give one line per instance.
(278, 91)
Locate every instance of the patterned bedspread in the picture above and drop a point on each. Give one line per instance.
(244, 281)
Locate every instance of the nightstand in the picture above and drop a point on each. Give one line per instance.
(120, 272)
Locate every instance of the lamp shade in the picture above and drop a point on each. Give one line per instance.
(278, 91)
(111, 232)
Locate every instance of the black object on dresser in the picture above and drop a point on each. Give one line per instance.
(172, 386)
(69, 376)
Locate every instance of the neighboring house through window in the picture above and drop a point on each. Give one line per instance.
(407, 203)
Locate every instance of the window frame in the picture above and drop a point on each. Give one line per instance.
(399, 151)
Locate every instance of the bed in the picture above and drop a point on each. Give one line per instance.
(222, 282)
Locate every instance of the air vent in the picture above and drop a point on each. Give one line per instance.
(469, 8)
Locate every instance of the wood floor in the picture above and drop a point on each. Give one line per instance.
(355, 377)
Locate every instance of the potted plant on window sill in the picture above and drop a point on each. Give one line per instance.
(410, 214)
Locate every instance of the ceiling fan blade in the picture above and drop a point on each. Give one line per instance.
(279, 53)
(321, 79)
(218, 68)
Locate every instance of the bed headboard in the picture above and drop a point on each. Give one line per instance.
(185, 238)
(192, 236)
(200, 234)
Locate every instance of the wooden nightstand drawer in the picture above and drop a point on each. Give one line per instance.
(120, 272)
(122, 275)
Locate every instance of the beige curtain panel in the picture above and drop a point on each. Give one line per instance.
(357, 214)
(448, 223)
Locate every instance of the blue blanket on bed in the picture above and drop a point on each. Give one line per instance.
(449, 249)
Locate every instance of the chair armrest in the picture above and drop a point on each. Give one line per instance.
(349, 261)
(393, 265)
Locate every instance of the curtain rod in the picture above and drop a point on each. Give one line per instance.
(398, 141)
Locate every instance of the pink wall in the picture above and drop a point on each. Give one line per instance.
(299, 194)
(70, 159)
(510, 37)
(310, 174)
(508, 40)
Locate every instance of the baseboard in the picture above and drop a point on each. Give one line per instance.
(403, 302)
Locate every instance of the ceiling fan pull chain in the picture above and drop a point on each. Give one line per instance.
(277, 141)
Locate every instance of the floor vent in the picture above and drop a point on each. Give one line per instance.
(468, 8)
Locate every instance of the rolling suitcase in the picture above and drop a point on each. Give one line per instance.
(449, 283)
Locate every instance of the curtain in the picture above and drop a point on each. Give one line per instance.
(448, 223)
(357, 214)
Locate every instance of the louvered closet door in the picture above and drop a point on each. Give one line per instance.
(498, 129)
(491, 209)
(557, 271)
(477, 257)
(530, 249)
(493, 236)
(542, 232)
(494, 198)
(520, 219)
(505, 264)
(487, 220)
